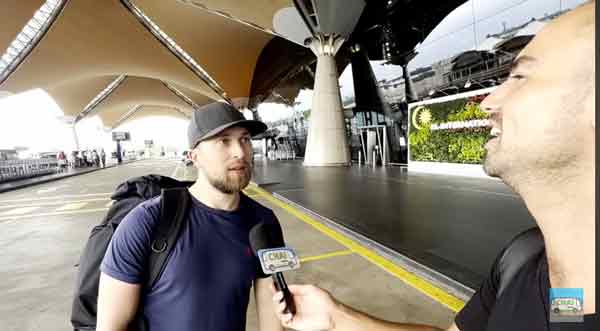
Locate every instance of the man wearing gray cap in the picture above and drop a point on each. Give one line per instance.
(207, 278)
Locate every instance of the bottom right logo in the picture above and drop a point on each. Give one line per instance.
(566, 305)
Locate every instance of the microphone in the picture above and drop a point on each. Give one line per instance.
(274, 258)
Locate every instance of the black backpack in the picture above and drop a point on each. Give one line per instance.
(174, 204)
(522, 248)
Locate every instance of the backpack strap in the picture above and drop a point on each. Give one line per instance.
(173, 210)
(521, 249)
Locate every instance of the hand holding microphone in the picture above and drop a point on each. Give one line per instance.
(274, 259)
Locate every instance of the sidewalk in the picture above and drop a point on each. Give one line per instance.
(354, 273)
(41, 247)
(18, 184)
(454, 226)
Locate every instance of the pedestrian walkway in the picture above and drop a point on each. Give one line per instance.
(17, 184)
(356, 274)
(44, 229)
(452, 225)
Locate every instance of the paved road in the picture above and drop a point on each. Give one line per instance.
(455, 225)
(44, 229)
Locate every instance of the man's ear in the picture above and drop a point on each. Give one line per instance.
(194, 155)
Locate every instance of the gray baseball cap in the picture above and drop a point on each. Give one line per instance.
(210, 120)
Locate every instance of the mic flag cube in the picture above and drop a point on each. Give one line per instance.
(280, 259)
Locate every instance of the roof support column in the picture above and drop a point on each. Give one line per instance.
(409, 89)
(326, 142)
(75, 136)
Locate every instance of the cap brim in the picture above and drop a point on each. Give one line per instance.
(253, 126)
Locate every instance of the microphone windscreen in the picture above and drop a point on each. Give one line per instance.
(264, 236)
(259, 238)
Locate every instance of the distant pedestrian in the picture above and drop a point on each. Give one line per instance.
(103, 158)
(96, 158)
(62, 161)
(71, 159)
(85, 158)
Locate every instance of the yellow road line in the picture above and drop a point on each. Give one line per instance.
(52, 203)
(56, 197)
(427, 288)
(67, 212)
(326, 256)
(72, 206)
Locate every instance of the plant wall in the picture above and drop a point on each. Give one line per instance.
(461, 143)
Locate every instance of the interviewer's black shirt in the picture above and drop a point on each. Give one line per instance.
(522, 307)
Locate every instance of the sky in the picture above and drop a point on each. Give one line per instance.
(34, 120)
(456, 33)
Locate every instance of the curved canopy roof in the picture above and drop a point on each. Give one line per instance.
(109, 57)
(259, 13)
(134, 91)
(226, 49)
(99, 38)
(13, 20)
(74, 103)
(182, 44)
(150, 110)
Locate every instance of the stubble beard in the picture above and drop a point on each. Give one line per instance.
(229, 183)
(500, 163)
(492, 159)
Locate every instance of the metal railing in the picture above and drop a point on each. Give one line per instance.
(20, 169)
(458, 79)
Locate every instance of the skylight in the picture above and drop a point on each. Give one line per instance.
(28, 37)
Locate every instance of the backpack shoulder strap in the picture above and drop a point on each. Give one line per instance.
(521, 249)
(173, 210)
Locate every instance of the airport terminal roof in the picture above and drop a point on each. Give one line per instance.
(109, 57)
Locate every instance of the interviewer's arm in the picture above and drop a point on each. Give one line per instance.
(265, 307)
(316, 309)
(348, 319)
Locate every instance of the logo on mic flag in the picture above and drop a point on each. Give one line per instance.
(278, 260)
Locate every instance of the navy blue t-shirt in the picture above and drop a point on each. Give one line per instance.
(207, 279)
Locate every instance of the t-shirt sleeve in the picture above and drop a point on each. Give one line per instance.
(127, 252)
(474, 316)
(275, 237)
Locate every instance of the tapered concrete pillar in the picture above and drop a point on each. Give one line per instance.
(75, 137)
(326, 142)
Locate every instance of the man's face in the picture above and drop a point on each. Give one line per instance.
(541, 114)
(226, 160)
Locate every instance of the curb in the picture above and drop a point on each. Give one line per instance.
(437, 286)
(47, 180)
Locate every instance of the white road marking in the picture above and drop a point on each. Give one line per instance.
(19, 211)
(68, 212)
(52, 189)
(47, 190)
(72, 206)
(51, 203)
(58, 197)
